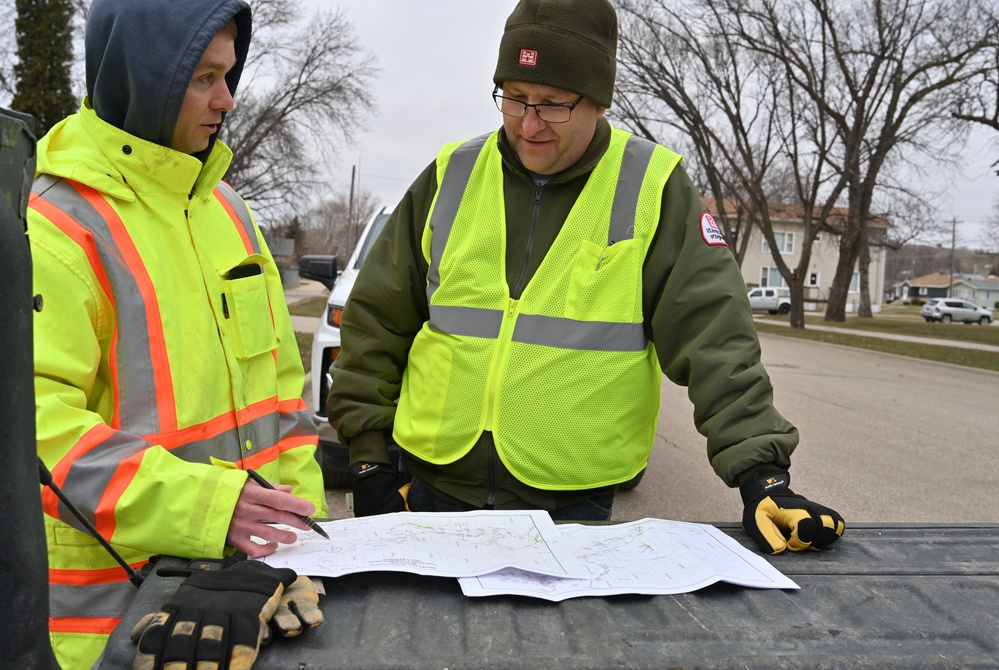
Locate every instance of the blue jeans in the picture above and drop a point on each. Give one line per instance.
(597, 508)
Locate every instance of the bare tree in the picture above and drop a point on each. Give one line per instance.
(8, 52)
(334, 225)
(982, 105)
(883, 72)
(764, 152)
(305, 92)
(992, 227)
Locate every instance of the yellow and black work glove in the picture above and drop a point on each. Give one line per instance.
(379, 489)
(298, 609)
(215, 620)
(777, 518)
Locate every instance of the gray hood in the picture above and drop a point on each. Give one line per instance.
(141, 55)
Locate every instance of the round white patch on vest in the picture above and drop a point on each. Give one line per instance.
(710, 231)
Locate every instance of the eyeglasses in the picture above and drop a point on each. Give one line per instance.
(547, 113)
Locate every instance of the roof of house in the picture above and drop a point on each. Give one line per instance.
(934, 280)
(780, 211)
(941, 280)
(989, 283)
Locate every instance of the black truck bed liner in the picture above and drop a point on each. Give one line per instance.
(884, 596)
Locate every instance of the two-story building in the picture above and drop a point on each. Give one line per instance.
(759, 268)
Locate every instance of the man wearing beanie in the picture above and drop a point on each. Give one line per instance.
(511, 325)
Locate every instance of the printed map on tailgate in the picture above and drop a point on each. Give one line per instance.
(443, 544)
(651, 556)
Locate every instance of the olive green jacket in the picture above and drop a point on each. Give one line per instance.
(696, 313)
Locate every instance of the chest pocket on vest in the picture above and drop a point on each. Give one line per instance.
(604, 282)
(251, 328)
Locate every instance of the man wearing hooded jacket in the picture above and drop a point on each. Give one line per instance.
(510, 327)
(165, 360)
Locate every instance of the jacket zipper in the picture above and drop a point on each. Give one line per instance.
(530, 244)
(509, 318)
(491, 472)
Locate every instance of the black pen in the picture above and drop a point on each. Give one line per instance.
(304, 517)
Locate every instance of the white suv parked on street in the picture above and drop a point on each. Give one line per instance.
(333, 456)
(946, 310)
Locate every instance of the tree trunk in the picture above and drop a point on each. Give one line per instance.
(836, 307)
(864, 285)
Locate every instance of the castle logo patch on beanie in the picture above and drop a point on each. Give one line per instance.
(528, 57)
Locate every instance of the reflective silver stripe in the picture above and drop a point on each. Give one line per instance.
(536, 329)
(137, 386)
(90, 474)
(548, 331)
(449, 196)
(239, 206)
(297, 424)
(91, 601)
(579, 335)
(471, 321)
(227, 445)
(634, 164)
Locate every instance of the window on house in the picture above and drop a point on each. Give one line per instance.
(771, 277)
(785, 243)
(922, 290)
(855, 282)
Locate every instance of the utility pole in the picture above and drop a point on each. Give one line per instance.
(953, 243)
(350, 215)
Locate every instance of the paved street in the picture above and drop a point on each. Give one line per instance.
(884, 438)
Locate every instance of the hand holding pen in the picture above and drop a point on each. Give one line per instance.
(309, 521)
(258, 509)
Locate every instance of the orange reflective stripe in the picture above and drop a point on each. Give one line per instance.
(165, 401)
(75, 232)
(292, 405)
(215, 426)
(93, 625)
(60, 471)
(104, 514)
(88, 577)
(258, 459)
(257, 410)
(85, 239)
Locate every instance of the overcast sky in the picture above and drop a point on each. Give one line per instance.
(437, 59)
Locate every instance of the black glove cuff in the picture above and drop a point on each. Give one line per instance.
(769, 484)
(363, 470)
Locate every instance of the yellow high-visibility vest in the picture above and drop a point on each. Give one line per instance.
(564, 376)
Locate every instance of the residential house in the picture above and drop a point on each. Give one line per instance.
(986, 292)
(759, 268)
(979, 290)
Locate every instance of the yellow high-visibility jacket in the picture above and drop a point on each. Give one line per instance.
(165, 365)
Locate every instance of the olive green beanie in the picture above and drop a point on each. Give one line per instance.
(567, 44)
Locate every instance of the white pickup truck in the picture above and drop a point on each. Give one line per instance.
(773, 300)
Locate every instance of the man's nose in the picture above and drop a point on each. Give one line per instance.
(532, 121)
(223, 98)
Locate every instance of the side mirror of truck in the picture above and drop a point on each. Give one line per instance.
(320, 268)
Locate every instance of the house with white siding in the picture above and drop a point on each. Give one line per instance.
(759, 268)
